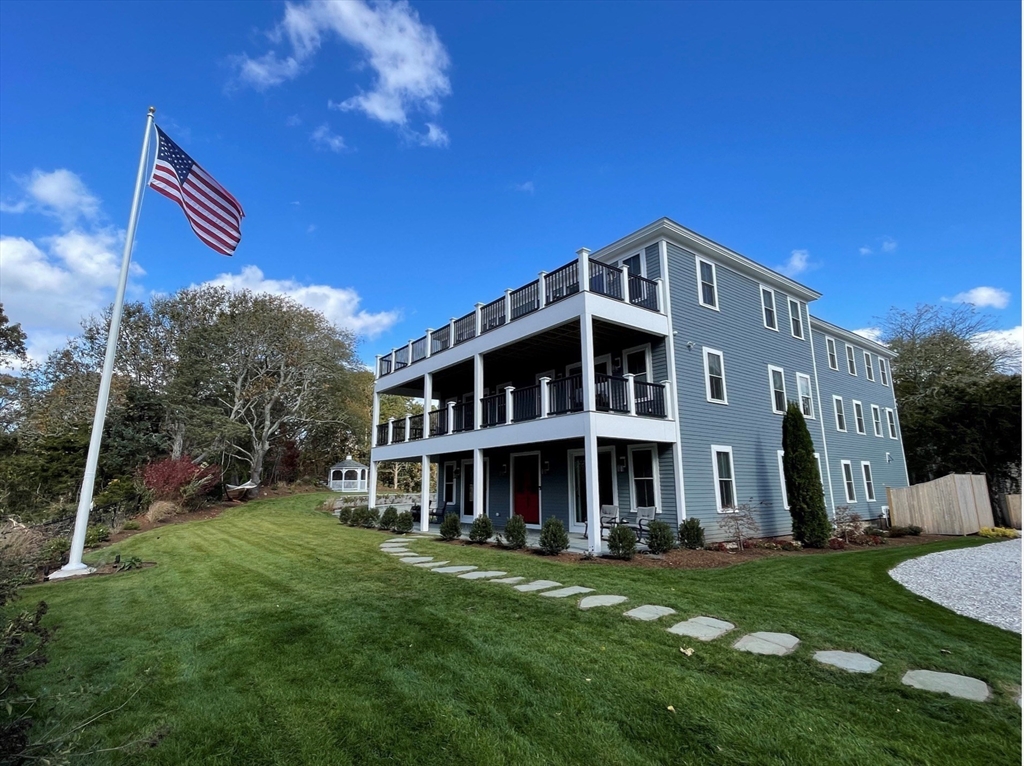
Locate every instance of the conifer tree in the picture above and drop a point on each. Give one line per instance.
(803, 482)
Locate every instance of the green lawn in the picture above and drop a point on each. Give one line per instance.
(272, 634)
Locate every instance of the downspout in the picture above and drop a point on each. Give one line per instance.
(677, 448)
(821, 416)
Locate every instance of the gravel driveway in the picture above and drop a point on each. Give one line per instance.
(982, 582)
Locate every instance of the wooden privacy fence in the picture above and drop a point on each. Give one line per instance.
(1012, 505)
(957, 504)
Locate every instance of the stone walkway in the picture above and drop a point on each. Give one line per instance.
(702, 627)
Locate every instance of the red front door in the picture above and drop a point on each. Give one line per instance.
(525, 488)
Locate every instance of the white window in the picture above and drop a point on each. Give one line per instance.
(858, 416)
(876, 419)
(643, 477)
(803, 387)
(891, 417)
(633, 264)
(707, 284)
(833, 360)
(449, 483)
(869, 368)
(883, 371)
(851, 491)
(777, 383)
(869, 484)
(714, 376)
(851, 360)
(796, 320)
(837, 402)
(782, 481)
(821, 474)
(768, 305)
(638, 362)
(725, 483)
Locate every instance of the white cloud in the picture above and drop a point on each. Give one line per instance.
(982, 297)
(865, 251)
(59, 193)
(323, 138)
(526, 187)
(294, 121)
(1009, 341)
(339, 304)
(311, 228)
(888, 244)
(799, 261)
(871, 333)
(407, 57)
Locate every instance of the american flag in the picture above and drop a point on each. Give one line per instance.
(215, 216)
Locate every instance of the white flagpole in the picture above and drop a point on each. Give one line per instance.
(75, 565)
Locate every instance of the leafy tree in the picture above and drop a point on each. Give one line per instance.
(803, 482)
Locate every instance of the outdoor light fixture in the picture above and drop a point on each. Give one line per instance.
(622, 463)
(504, 469)
(458, 471)
(546, 467)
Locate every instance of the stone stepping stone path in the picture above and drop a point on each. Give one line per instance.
(649, 612)
(454, 570)
(573, 590)
(416, 559)
(702, 628)
(589, 602)
(399, 540)
(776, 644)
(480, 575)
(402, 552)
(537, 585)
(851, 662)
(964, 687)
(509, 580)
(432, 564)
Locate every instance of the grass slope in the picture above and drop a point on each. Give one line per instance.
(274, 635)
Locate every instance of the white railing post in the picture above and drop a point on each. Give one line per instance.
(670, 404)
(428, 398)
(408, 422)
(508, 305)
(394, 357)
(508, 403)
(662, 308)
(430, 342)
(478, 318)
(630, 393)
(374, 417)
(545, 394)
(408, 353)
(542, 291)
(451, 332)
(584, 268)
(391, 430)
(376, 369)
(449, 426)
(478, 389)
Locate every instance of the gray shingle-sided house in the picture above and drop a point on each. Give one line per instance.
(653, 372)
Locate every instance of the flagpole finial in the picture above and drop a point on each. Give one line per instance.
(152, 111)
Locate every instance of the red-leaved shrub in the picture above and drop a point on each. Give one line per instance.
(181, 481)
(837, 543)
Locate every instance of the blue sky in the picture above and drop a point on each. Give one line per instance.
(398, 163)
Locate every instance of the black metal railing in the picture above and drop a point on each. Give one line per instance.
(526, 403)
(465, 328)
(606, 280)
(562, 282)
(643, 292)
(419, 349)
(382, 434)
(525, 300)
(493, 410)
(384, 368)
(611, 393)
(415, 427)
(492, 315)
(401, 357)
(462, 417)
(565, 395)
(438, 422)
(650, 399)
(398, 431)
(441, 339)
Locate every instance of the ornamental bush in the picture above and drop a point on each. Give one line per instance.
(451, 527)
(515, 532)
(344, 515)
(181, 481)
(389, 517)
(622, 542)
(481, 530)
(96, 534)
(803, 481)
(357, 516)
(691, 534)
(553, 537)
(372, 518)
(659, 537)
(404, 523)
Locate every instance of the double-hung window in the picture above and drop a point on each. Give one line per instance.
(858, 416)
(890, 416)
(449, 483)
(883, 371)
(876, 419)
(642, 466)
(777, 381)
(851, 360)
(803, 388)
(833, 360)
(869, 484)
(714, 376)
(837, 402)
(632, 264)
(707, 287)
(869, 368)
(725, 483)
(795, 319)
(768, 306)
(851, 490)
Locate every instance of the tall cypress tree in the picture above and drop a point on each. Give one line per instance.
(803, 482)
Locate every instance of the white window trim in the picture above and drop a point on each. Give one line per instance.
(821, 472)
(653, 449)
(869, 488)
(890, 422)
(643, 264)
(775, 310)
(444, 483)
(869, 367)
(715, 449)
(799, 318)
(707, 377)
(850, 484)
(858, 422)
(883, 371)
(851, 359)
(782, 480)
(837, 410)
(810, 394)
(876, 420)
(649, 361)
(714, 281)
(771, 388)
(571, 455)
(831, 343)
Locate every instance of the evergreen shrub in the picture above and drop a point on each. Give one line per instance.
(622, 542)
(403, 523)
(389, 517)
(691, 534)
(451, 527)
(515, 532)
(553, 537)
(481, 530)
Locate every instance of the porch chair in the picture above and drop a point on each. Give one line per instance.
(644, 514)
(609, 518)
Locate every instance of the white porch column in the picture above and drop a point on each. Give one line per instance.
(408, 422)
(584, 269)
(374, 417)
(424, 493)
(449, 425)
(391, 430)
(593, 489)
(508, 403)
(630, 393)
(428, 398)
(478, 483)
(371, 485)
(541, 291)
(478, 382)
(545, 395)
(587, 349)
(670, 410)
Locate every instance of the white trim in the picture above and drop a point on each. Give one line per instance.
(883, 370)
(800, 396)
(642, 257)
(799, 318)
(772, 390)
(653, 449)
(869, 367)
(463, 477)
(841, 409)
(574, 453)
(715, 449)
(848, 486)
(821, 473)
(764, 308)
(831, 353)
(546, 374)
(858, 418)
(782, 479)
(869, 485)
(648, 359)
(707, 377)
(851, 360)
(876, 420)
(890, 418)
(444, 482)
(512, 487)
(677, 454)
(821, 424)
(714, 284)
